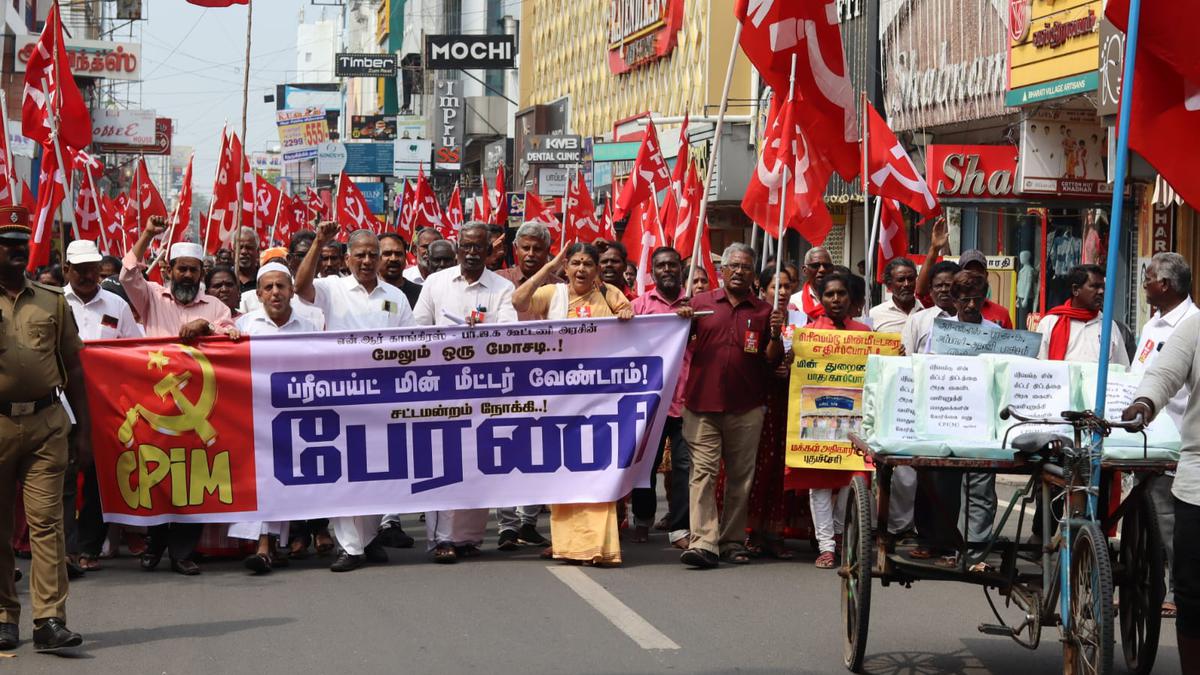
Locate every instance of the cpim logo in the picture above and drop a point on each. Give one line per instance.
(170, 434)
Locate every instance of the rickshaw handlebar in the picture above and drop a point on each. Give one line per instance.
(1075, 418)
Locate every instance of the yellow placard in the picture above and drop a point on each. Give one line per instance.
(825, 398)
(1062, 40)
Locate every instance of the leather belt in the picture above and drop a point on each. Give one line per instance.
(20, 408)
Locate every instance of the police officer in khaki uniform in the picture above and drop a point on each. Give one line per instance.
(39, 356)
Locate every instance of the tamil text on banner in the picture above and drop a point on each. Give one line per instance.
(825, 402)
(300, 132)
(292, 427)
(957, 338)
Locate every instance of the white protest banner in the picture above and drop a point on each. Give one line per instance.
(291, 427)
(956, 338)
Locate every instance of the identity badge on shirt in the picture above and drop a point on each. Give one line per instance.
(583, 312)
(390, 307)
(750, 344)
(108, 321)
(478, 315)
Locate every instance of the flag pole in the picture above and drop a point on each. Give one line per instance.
(275, 224)
(783, 187)
(864, 182)
(245, 99)
(8, 163)
(99, 210)
(716, 154)
(1118, 207)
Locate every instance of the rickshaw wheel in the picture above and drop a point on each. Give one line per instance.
(858, 545)
(1141, 586)
(1088, 644)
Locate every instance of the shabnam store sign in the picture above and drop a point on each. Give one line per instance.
(641, 31)
(972, 171)
(90, 58)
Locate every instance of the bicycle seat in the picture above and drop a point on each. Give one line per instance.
(1040, 443)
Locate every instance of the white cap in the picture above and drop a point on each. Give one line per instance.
(273, 267)
(83, 251)
(186, 249)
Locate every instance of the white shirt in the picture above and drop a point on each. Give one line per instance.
(105, 317)
(449, 292)
(413, 274)
(257, 322)
(348, 306)
(250, 302)
(887, 317)
(918, 328)
(1150, 344)
(1085, 341)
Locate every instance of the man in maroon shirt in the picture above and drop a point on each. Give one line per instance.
(734, 350)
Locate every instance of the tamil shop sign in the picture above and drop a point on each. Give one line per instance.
(942, 66)
(1058, 53)
(641, 31)
(972, 171)
(90, 58)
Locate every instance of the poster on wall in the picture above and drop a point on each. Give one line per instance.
(1064, 153)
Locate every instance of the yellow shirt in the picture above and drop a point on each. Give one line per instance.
(598, 304)
(36, 329)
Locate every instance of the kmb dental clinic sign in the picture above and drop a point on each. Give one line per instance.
(365, 65)
(469, 52)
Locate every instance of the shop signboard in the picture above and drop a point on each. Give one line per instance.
(123, 127)
(411, 126)
(942, 67)
(470, 52)
(1162, 232)
(552, 181)
(1058, 54)
(554, 149)
(331, 158)
(373, 127)
(370, 158)
(300, 132)
(157, 142)
(89, 58)
(1064, 153)
(972, 171)
(448, 136)
(375, 194)
(365, 65)
(410, 156)
(1112, 68)
(641, 32)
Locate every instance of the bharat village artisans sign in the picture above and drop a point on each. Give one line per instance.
(1054, 51)
(641, 31)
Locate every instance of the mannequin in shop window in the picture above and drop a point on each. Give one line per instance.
(1027, 285)
(1093, 247)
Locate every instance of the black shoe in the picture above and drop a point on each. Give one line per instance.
(185, 567)
(150, 560)
(52, 634)
(375, 553)
(394, 536)
(10, 636)
(18, 575)
(74, 571)
(347, 563)
(699, 558)
(529, 536)
(508, 541)
(257, 563)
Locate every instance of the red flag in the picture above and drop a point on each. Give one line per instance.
(113, 242)
(495, 207)
(710, 270)
(642, 235)
(893, 235)
(89, 216)
(183, 209)
(317, 207)
(649, 176)
(9, 190)
(581, 223)
(426, 210)
(218, 3)
(295, 217)
(222, 213)
(775, 30)
(149, 202)
(536, 211)
(608, 231)
(787, 156)
(892, 171)
(353, 213)
(1165, 110)
(116, 207)
(452, 219)
(52, 187)
(267, 202)
(51, 96)
(408, 210)
(250, 199)
(684, 228)
(27, 198)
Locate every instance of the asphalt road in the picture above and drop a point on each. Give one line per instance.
(515, 613)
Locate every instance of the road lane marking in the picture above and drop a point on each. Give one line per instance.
(618, 613)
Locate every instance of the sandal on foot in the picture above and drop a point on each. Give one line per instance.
(468, 551)
(259, 563)
(736, 556)
(1169, 611)
(324, 544)
(89, 563)
(825, 561)
(445, 554)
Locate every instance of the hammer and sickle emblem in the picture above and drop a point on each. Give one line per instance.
(193, 416)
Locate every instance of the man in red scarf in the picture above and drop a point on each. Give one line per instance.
(1071, 331)
(817, 263)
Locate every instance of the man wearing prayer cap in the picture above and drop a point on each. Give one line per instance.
(39, 357)
(179, 311)
(275, 315)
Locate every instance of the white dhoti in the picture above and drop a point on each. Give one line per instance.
(253, 529)
(903, 500)
(459, 527)
(353, 533)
